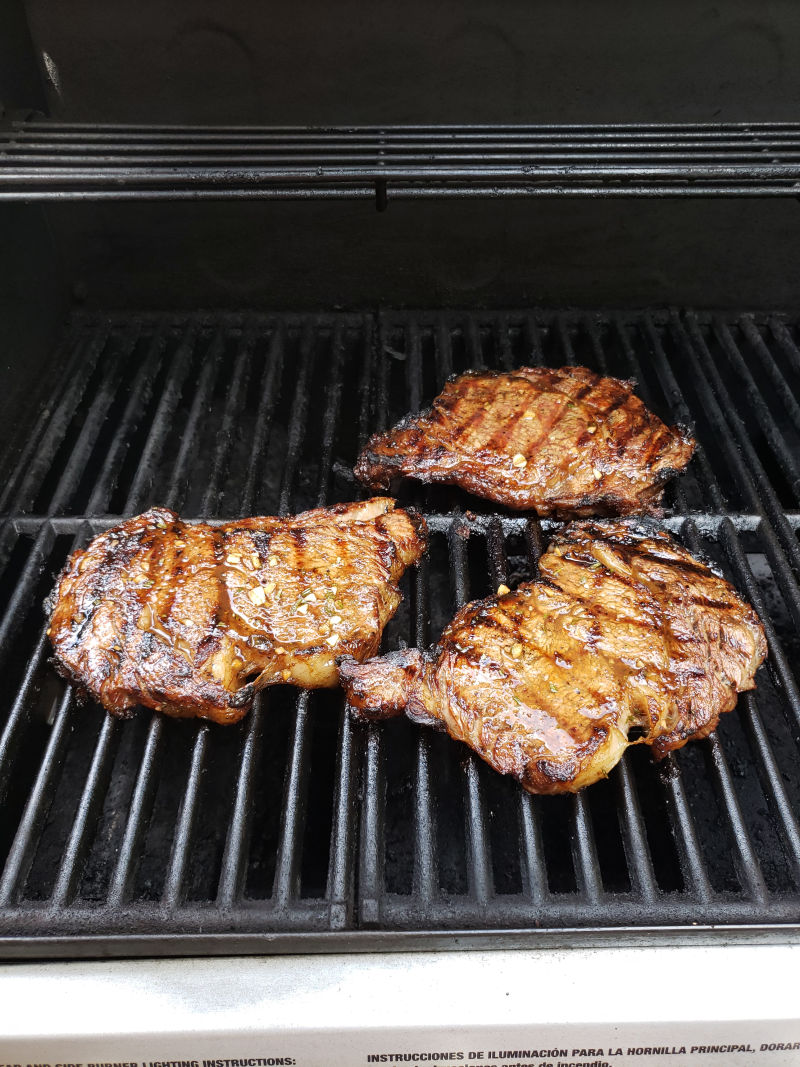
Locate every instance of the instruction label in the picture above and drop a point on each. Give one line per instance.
(357, 1051)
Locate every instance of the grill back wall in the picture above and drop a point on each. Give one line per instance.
(321, 64)
(553, 253)
(296, 829)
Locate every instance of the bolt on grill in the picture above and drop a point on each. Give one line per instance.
(296, 829)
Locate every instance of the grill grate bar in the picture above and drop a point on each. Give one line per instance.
(24, 590)
(711, 386)
(757, 404)
(587, 865)
(354, 160)
(69, 871)
(331, 417)
(748, 866)
(49, 161)
(22, 850)
(479, 864)
(635, 834)
(533, 858)
(234, 857)
(443, 353)
(21, 707)
(212, 367)
(63, 415)
(371, 866)
(179, 860)
(775, 790)
(565, 341)
(52, 420)
(140, 393)
(138, 815)
(777, 662)
(287, 871)
(675, 397)
(9, 739)
(162, 419)
(372, 854)
(426, 866)
(775, 552)
(340, 868)
(297, 419)
(685, 835)
(92, 425)
(590, 325)
(233, 405)
(787, 345)
(771, 369)
(270, 383)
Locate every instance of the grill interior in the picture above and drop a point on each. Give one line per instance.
(295, 828)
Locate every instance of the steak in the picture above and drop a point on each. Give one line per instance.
(193, 619)
(562, 442)
(625, 629)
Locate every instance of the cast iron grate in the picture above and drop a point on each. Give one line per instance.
(295, 829)
(41, 160)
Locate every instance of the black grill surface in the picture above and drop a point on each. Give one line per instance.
(296, 830)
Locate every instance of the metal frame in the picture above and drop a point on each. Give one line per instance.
(728, 374)
(42, 160)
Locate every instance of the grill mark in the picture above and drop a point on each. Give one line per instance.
(656, 447)
(472, 423)
(499, 440)
(630, 547)
(533, 448)
(548, 701)
(299, 539)
(707, 602)
(621, 398)
(166, 543)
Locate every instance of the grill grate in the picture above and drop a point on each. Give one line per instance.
(296, 829)
(42, 160)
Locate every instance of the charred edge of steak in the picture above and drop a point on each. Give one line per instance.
(420, 527)
(638, 528)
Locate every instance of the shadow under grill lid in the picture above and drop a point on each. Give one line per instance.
(295, 829)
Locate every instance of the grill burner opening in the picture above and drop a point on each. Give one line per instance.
(295, 828)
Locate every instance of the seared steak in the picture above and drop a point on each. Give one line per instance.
(194, 619)
(625, 629)
(560, 442)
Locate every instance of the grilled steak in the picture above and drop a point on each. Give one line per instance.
(560, 442)
(625, 629)
(195, 619)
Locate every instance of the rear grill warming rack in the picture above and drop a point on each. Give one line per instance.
(45, 160)
(297, 830)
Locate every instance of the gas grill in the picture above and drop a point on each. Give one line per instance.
(202, 309)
